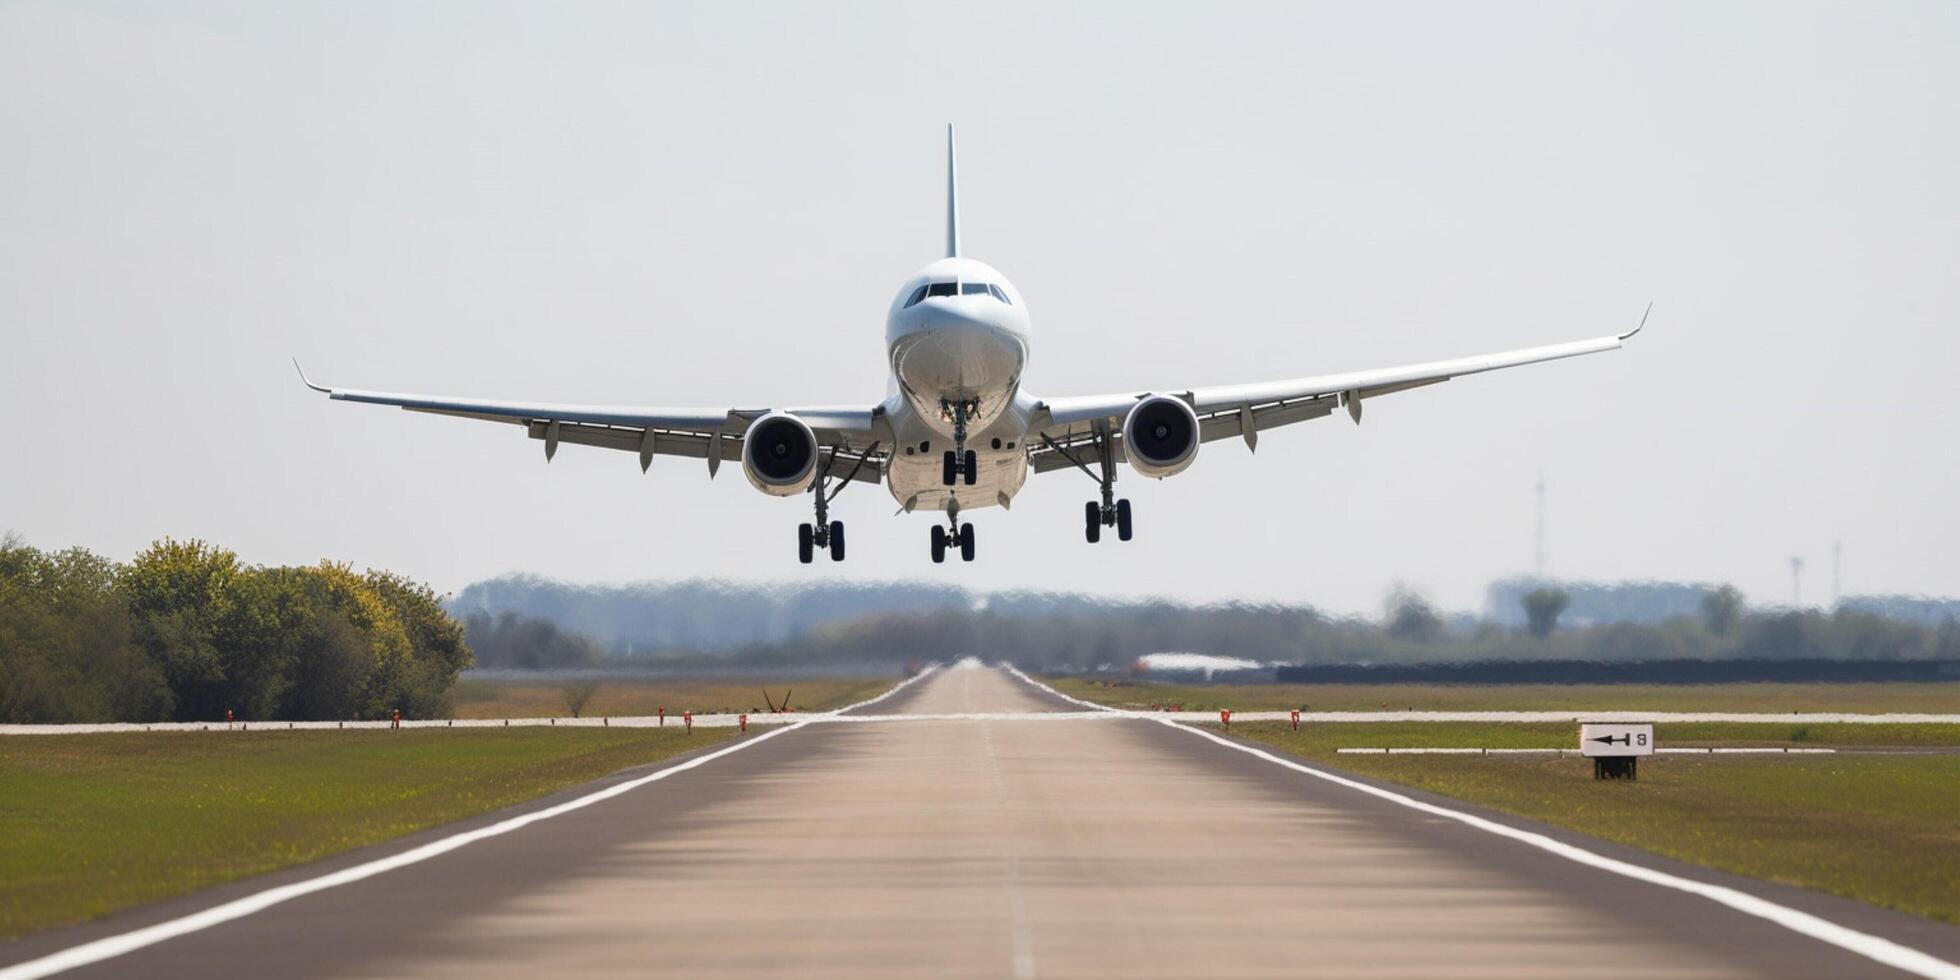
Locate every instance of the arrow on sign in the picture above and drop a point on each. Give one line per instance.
(1610, 739)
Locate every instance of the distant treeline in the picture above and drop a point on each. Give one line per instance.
(1592, 603)
(509, 641)
(700, 615)
(185, 632)
(700, 620)
(1410, 632)
(1643, 672)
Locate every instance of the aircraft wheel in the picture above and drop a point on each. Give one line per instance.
(1123, 519)
(948, 469)
(1092, 522)
(806, 543)
(972, 467)
(938, 545)
(966, 542)
(836, 540)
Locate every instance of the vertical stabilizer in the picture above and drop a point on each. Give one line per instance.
(952, 198)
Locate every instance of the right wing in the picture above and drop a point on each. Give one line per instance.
(1246, 409)
(858, 438)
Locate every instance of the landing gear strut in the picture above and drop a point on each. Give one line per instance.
(959, 462)
(1111, 512)
(826, 534)
(954, 535)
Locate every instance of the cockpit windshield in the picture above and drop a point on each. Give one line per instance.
(920, 294)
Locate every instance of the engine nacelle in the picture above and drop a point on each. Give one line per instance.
(1160, 436)
(779, 455)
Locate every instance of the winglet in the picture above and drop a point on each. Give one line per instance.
(1643, 322)
(952, 199)
(308, 381)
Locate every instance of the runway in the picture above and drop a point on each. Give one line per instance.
(992, 847)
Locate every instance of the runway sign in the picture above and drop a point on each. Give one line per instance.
(1620, 739)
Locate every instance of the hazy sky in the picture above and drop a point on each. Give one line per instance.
(714, 204)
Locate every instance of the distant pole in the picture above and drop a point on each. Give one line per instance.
(1837, 567)
(1541, 523)
(1796, 581)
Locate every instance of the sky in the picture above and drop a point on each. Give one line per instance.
(714, 204)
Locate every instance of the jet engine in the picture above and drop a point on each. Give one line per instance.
(779, 455)
(1160, 436)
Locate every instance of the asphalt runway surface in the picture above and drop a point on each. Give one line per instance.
(993, 847)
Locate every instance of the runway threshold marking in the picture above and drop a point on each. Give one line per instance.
(1875, 948)
(110, 947)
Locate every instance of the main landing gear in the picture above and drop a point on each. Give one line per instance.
(826, 534)
(829, 537)
(1111, 512)
(1096, 517)
(954, 535)
(959, 462)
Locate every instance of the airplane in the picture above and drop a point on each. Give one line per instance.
(956, 430)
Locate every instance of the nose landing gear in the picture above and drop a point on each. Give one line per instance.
(959, 461)
(954, 535)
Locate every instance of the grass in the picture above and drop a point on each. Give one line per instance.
(94, 823)
(478, 697)
(1935, 698)
(1325, 737)
(1877, 828)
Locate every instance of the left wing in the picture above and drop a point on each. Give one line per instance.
(714, 434)
(1244, 410)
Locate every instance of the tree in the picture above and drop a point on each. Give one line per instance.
(65, 648)
(179, 594)
(1542, 607)
(1412, 618)
(515, 641)
(578, 694)
(1721, 608)
(437, 650)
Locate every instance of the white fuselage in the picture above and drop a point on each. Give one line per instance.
(960, 345)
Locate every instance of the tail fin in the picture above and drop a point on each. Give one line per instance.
(952, 198)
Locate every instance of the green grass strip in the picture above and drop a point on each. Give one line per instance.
(1876, 828)
(90, 824)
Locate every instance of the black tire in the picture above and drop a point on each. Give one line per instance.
(938, 545)
(972, 467)
(806, 543)
(836, 540)
(966, 542)
(948, 468)
(1123, 519)
(1092, 522)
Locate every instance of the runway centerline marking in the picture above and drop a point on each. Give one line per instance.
(1876, 948)
(110, 947)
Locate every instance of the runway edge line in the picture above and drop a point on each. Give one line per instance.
(1875, 948)
(110, 947)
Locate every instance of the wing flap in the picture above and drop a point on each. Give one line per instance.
(692, 445)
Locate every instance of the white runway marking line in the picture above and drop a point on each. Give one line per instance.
(1875, 948)
(128, 942)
